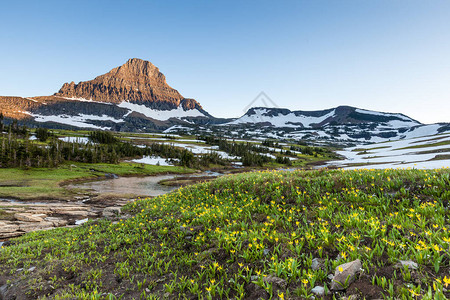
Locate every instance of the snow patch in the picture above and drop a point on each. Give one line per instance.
(161, 115)
(153, 160)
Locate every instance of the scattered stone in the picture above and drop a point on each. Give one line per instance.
(351, 297)
(318, 290)
(3, 291)
(111, 211)
(186, 230)
(345, 274)
(316, 264)
(409, 263)
(281, 283)
(31, 269)
(330, 276)
(254, 277)
(266, 252)
(27, 217)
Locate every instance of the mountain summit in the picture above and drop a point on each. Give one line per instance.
(137, 81)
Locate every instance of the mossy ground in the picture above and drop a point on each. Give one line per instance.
(223, 239)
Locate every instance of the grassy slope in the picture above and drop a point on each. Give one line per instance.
(45, 183)
(208, 240)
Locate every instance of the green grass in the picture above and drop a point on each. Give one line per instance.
(44, 183)
(426, 145)
(368, 149)
(223, 239)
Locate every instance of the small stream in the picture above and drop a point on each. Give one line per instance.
(145, 186)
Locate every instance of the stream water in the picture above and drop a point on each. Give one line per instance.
(145, 186)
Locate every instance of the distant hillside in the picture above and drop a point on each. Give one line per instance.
(340, 115)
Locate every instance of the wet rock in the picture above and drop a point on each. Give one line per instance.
(111, 211)
(27, 217)
(82, 213)
(408, 263)
(33, 226)
(318, 290)
(280, 283)
(111, 176)
(345, 274)
(8, 227)
(57, 222)
(8, 235)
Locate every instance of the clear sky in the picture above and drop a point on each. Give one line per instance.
(387, 55)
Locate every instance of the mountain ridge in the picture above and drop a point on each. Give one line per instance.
(136, 97)
(343, 114)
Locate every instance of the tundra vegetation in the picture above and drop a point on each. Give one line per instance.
(265, 234)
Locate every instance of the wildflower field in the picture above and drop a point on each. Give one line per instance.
(268, 234)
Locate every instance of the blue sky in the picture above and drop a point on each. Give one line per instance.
(382, 55)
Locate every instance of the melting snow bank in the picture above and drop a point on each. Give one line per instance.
(75, 139)
(427, 152)
(81, 120)
(161, 115)
(153, 160)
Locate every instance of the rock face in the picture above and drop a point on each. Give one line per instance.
(137, 81)
(345, 274)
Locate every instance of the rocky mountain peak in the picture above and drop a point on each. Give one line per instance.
(137, 81)
(137, 69)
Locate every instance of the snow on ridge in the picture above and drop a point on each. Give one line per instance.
(86, 100)
(281, 120)
(80, 120)
(161, 115)
(376, 113)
